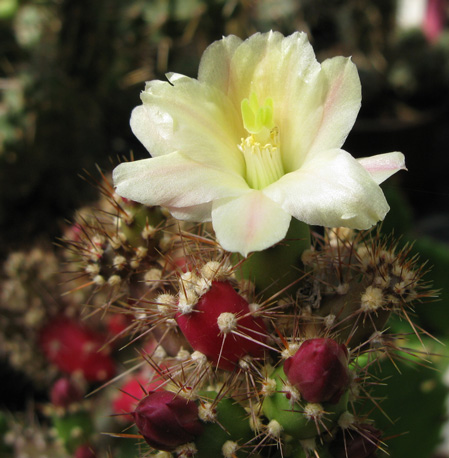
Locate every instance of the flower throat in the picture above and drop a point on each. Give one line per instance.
(261, 148)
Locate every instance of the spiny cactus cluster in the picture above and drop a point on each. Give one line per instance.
(209, 354)
(236, 366)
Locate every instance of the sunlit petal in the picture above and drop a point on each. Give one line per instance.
(269, 64)
(190, 117)
(332, 190)
(320, 115)
(215, 65)
(174, 180)
(341, 103)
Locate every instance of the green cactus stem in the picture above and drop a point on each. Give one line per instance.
(226, 429)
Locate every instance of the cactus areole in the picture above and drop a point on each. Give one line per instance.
(319, 370)
(222, 327)
(167, 420)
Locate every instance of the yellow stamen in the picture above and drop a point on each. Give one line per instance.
(263, 162)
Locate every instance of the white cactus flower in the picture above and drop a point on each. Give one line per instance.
(255, 140)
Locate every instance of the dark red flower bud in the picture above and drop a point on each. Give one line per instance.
(362, 443)
(319, 370)
(167, 420)
(64, 392)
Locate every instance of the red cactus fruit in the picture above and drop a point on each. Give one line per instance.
(167, 420)
(72, 347)
(319, 370)
(222, 327)
(362, 443)
(64, 392)
(85, 451)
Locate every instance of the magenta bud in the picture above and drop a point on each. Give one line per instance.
(362, 443)
(319, 370)
(167, 420)
(64, 392)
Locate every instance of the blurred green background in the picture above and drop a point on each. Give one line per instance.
(71, 72)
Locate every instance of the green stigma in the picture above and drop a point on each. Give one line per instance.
(257, 119)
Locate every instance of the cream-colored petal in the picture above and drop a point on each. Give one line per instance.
(251, 222)
(271, 65)
(215, 65)
(319, 115)
(174, 180)
(331, 190)
(382, 166)
(342, 101)
(192, 117)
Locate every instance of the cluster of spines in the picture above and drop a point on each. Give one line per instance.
(364, 278)
(110, 255)
(115, 248)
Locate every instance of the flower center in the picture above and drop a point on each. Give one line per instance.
(261, 148)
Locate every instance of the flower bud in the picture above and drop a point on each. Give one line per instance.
(167, 420)
(362, 443)
(319, 370)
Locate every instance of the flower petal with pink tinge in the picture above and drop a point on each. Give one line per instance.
(382, 166)
(251, 222)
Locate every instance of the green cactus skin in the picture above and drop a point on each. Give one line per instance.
(234, 419)
(274, 266)
(141, 216)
